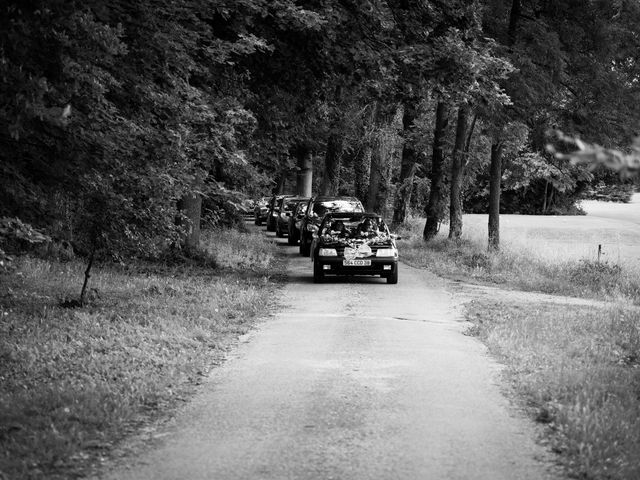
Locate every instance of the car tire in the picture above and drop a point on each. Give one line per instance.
(258, 221)
(318, 274)
(393, 278)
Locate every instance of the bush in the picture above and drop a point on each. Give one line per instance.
(599, 276)
(18, 237)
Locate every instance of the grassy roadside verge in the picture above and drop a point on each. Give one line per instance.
(515, 266)
(575, 369)
(74, 382)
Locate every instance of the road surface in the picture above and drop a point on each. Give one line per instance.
(352, 379)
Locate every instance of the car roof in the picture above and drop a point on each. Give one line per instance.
(296, 199)
(329, 198)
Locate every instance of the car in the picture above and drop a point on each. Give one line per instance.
(295, 222)
(260, 210)
(274, 211)
(317, 207)
(286, 205)
(354, 244)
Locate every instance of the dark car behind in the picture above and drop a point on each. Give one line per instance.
(274, 211)
(286, 206)
(352, 249)
(295, 222)
(317, 207)
(261, 210)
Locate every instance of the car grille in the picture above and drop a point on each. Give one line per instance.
(374, 249)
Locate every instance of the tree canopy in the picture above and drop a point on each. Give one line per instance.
(110, 113)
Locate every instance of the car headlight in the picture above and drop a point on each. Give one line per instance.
(327, 252)
(386, 252)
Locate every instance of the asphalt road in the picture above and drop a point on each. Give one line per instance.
(352, 379)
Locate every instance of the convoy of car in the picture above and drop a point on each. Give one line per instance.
(341, 238)
(317, 207)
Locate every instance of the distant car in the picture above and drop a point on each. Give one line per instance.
(295, 221)
(317, 207)
(286, 207)
(274, 211)
(354, 244)
(260, 210)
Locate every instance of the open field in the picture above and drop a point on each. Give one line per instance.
(550, 254)
(615, 226)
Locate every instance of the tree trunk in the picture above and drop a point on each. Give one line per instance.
(191, 206)
(362, 158)
(87, 275)
(495, 178)
(385, 151)
(332, 162)
(304, 175)
(282, 181)
(457, 173)
(514, 17)
(436, 194)
(407, 169)
(362, 171)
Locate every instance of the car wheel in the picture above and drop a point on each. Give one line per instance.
(318, 274)
(393, 278)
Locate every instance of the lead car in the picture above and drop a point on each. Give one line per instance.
(354, 244)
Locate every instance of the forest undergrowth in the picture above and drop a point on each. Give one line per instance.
(76, 381)
(574, 368)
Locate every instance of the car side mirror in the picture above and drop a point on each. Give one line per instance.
(395, 237)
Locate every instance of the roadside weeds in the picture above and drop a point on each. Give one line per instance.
(575, 368)
(75, 382)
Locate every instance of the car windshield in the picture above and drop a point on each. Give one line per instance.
(321, 208)
(355, 228)
(289, 205)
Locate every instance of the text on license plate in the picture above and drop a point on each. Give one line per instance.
(356, 263)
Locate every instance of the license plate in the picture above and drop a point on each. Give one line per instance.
(356, 263)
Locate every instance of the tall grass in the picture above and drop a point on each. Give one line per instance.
(521, 263)
(73, 382)
(576, 367)
(579, 369)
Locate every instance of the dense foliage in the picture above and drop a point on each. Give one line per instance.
(112, 112)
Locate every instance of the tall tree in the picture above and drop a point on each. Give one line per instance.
(384, 155)
(495, 174)
(408, 166)
(457, 171)
(434, 209)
